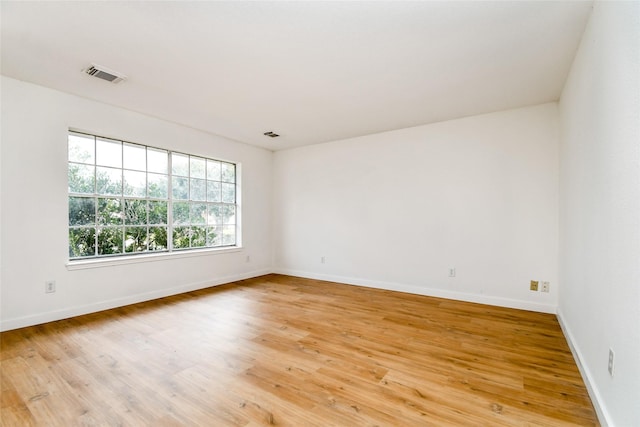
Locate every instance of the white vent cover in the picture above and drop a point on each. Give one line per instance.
(105, 74)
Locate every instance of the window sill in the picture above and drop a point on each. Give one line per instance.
(142, 258)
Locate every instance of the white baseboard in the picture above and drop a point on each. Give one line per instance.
(20, 322)
(51, 316)
(592, 389)
(411, 289)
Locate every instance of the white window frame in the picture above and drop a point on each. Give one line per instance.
(123, 257)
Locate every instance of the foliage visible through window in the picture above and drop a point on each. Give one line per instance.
(127, 198)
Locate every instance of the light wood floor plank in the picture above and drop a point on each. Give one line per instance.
(286, 351)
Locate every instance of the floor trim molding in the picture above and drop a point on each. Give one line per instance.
(418, 290)
(51, 316)
(592, 389)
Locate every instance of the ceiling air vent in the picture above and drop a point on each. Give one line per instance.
(105, 74)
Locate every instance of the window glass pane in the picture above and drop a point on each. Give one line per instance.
(198, 189)
(82, 242)
(198, 237)
(228, 172)
(135, 212)
(158, 186)
(81, 178)
(213, 191)
(179, 164)
(82, 148)
(228, 214)
(214, 214)
(108, 152)
(135, 239)
(180, 188)
(198, 213)
(110, 241)
(181, 213)
(109, 181)
(157, 238)
(109, 212)
(180, 237)
(157, 212)
(228, 235)
(214, 236)
(82, 211)
(228, 193)
(157, 160)
(134, 156)
(213, 170)
(198, 168)
(135, 183)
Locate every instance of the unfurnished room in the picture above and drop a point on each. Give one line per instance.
(320, 213)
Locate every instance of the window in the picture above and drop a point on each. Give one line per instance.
(128, 199)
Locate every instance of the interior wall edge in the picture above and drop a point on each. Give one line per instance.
(592, 389)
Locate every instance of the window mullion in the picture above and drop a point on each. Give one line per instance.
(122, 225)
(189, 200)
(95, 196)
(147, 198)
(170, 204)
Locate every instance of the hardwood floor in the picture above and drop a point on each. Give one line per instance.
(279, 350)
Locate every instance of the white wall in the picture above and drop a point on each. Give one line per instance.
(35, 121)
(599, 303)
(397, 209)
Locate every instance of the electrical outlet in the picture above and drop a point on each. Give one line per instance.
(452, 272)
(610, 366)
(545, 287)
(534, 285)
(321, 260)
(248, 259)
(50, 286)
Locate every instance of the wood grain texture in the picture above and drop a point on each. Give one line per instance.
(286, 351)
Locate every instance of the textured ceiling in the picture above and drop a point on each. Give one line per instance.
(310, 71)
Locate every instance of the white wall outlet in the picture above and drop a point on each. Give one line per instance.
(321, 260)
(247, 259)
(545, 287)
(452, 272)
(50, 286)
(611, 365)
